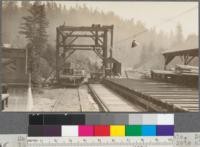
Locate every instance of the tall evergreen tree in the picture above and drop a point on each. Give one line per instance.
(179, 34)
(34, 28)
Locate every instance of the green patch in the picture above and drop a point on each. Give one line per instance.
(133, 130)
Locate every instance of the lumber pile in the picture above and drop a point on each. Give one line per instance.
(186, 69)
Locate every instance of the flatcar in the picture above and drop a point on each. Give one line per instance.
(72, 77)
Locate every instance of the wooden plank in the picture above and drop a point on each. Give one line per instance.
(174, 95)
(142, 89)
(181, 100)
(171, 92)
(180, 96)
(193, 109)
(188, 105)
(168, 91)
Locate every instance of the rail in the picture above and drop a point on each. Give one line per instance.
(98, 100)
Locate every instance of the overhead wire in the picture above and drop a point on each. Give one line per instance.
(162, 23)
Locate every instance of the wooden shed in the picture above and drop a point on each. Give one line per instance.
(114, 67)
(14, 71)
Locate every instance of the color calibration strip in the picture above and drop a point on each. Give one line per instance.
(100, 130)
(78, 125)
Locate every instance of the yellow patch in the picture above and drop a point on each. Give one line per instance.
(117, 130)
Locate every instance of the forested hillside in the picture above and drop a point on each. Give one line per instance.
(151, 43)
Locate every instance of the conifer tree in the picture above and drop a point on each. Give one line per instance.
(34, 29)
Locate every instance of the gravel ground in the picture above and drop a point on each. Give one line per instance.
(52, 99)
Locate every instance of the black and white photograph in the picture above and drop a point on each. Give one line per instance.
(99, 56)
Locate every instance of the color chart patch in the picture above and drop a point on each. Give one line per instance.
(139, 125)
(117, 130)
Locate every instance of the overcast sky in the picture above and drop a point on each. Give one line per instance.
(152, 13)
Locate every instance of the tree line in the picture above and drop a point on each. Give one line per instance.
(148, 53)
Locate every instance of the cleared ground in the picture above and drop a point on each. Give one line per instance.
(18, 99)
(52, 99)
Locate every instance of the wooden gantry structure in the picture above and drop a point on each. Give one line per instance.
(95, 38)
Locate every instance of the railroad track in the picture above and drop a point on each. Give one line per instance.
(79, 98)
(76, 99)
(60, 100)
(98, 100)
(55, 104)
(109, 101)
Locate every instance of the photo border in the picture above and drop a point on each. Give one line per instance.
(17, 122)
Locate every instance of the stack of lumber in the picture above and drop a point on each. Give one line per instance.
(186, 69)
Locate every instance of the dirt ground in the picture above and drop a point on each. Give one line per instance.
(52, 100)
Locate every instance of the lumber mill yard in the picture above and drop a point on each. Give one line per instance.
(110, 87)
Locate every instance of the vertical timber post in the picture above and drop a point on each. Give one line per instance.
(165, 66)
(57, 54)
(185, 59)
(111, 40)
(105, 38)
(111, 53)
(96, 38)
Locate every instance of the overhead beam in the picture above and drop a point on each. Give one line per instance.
(80, 46)
(83, 28)
(82, 35)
